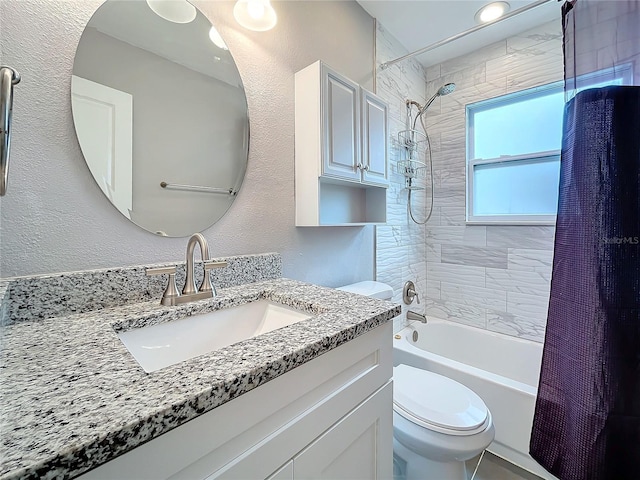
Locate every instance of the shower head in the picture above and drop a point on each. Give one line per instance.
(446, 89)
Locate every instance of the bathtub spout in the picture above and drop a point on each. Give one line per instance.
(416, 316)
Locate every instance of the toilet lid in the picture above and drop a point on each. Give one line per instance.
(431, 399)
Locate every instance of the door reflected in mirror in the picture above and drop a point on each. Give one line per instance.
(160, 114)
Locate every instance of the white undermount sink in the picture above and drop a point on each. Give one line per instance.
(158, 346)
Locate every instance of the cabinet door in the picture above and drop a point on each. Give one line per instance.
(341, 122)
(360, 446)
(374, 139)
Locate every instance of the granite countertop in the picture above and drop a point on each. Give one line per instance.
(72, 397)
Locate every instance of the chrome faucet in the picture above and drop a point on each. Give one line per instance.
(416, 316)
(189, 292)
(190, 281)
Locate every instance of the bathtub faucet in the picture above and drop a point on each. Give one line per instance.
(416, 316)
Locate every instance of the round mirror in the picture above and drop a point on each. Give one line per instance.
(160, 113)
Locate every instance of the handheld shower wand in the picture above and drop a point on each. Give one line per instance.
(445, 89)
(442, 91)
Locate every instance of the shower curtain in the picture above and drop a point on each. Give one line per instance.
(587, 418)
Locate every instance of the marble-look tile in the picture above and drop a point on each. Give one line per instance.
(530, 283)
(465, 95)
(464, 78)
(434, 220)
(546, 72)
(521, 236)
(524, 305)
(447, 197)
(434, 290)
(475, 235)
(466, 314)
(494, 50)
(523, 70)
(476, 256)
(529, 328)
(456, 274)
(453, 216)
(392, 258)
(448, 125)
(550, 31)
(530, 260)
(433, 72)
(527, 59)
(434, 252)
(474, 296)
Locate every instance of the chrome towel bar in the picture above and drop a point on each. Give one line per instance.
(8, 78)
(198, 188)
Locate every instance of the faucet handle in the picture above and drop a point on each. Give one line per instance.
(409, 293)
(171, 292)
(160, 271)
(206, 285)
(210, 265)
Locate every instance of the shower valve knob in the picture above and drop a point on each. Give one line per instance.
(409, 293)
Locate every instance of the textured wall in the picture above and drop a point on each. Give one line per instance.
(493, 277)
(55, 218)
(400, 245)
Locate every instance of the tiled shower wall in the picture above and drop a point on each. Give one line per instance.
(492, 277)
(400, 245)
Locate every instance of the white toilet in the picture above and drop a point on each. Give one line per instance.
(438, 423)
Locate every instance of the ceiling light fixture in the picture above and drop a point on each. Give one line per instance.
(492, 12)
(256, 15)
(176, 11)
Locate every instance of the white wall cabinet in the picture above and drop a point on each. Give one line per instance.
(330, 418)
(341, 166)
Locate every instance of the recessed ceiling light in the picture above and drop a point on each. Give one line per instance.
(215, 37)
(176, 11)
(492, 12)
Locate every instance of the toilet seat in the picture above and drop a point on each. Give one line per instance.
(437, 403)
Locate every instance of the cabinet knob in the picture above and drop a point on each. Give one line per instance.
(359, 166)
(366, 168)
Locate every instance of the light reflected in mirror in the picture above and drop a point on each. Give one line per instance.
(161, 115)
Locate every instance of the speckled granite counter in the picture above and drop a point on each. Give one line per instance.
(72, 396)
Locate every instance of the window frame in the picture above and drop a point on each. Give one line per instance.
(508, 99)
(508, 219)
(623, 72)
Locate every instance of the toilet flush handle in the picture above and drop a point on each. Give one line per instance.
(409, 293)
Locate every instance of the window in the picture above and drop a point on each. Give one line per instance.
(513, 152)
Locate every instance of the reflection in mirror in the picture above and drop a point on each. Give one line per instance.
(160, 113)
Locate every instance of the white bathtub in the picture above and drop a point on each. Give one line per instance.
(503, 370)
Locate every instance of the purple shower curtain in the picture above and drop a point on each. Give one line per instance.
(587, 418)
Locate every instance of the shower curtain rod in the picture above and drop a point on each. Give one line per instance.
(435, 45)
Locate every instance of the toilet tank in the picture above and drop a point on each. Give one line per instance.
(370, 288)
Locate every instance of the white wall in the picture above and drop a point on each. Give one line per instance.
(54, 216)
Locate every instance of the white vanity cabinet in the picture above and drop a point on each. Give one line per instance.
(341, 133)
(330, 418)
